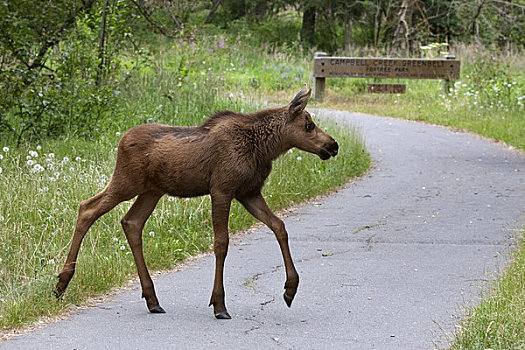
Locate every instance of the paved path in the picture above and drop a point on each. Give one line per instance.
(387, 263)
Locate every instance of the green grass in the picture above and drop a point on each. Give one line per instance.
(41, 191)
(38, 210)
(433, 107)
(498, 322)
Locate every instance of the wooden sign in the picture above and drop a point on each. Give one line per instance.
(386, 88)
(394, 68)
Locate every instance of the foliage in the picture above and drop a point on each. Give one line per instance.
(58, 77)
(434, 50)
(497, 24)
(276, 33)
(61, 59)
(491, 83)
(393, 27)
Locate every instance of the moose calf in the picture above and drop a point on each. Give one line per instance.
(228, 156)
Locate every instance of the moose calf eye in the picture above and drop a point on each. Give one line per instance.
(310, 127)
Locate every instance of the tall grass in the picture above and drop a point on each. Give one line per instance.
(43, 183)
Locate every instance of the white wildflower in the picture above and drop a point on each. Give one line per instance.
(122, 247)
(37, 168)
(38, 148)
(299, 158)
(33, 154)
(152, 234)
(0, 170)
(51, 155)
(5, 149)
(117, 133)
(51, 262)
(30, 162)
(115, 239)
(1, 156)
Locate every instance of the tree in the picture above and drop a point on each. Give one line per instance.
(30, 29)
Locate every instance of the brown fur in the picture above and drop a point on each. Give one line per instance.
(228, 156)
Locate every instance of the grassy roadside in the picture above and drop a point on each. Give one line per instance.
(498, 322)
(42, 183)
(488, 100)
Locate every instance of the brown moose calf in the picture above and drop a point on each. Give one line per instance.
(229, 156)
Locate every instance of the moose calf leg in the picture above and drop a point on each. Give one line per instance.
(89, 211)
(220, 213)
(257, 206)
(133, 223)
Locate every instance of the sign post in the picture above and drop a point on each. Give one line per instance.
(319, 81)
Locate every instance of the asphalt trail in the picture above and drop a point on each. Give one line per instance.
(389, 262)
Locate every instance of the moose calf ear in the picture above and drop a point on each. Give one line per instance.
(299, 102)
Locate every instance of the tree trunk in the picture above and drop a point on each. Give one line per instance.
(377, 26)
(348, 35)
(402, 36)
(212, 11)
(308, 26)
(101, 44)
(260, 10)
(474, 26)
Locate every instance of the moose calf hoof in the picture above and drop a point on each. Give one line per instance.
(223, 316)
(288, 300)
(58, 293)
(157, 310)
